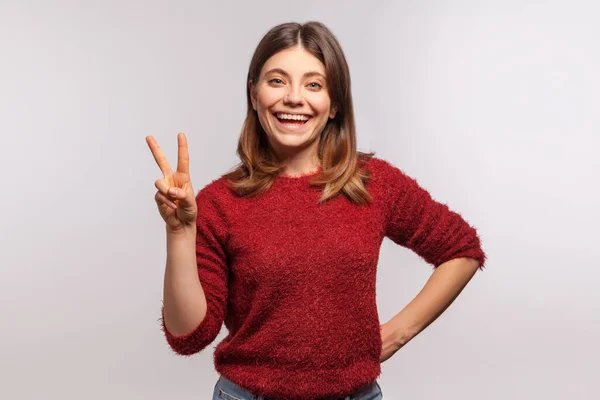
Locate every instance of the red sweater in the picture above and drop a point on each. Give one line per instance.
(294, 281)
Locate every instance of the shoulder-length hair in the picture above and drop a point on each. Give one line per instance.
(340, 162)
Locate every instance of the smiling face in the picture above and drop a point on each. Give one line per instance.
(292, 102)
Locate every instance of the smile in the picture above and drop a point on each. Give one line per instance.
(293, 117)
(291, 121)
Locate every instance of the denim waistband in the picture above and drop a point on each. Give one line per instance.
(228, 390)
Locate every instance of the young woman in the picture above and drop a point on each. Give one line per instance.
(284, 248)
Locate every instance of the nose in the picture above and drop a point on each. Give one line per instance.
(293, 97)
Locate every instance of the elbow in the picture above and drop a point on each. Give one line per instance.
(195, 341)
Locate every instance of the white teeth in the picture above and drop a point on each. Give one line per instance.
(293, 117)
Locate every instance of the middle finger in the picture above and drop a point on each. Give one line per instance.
(159, 157)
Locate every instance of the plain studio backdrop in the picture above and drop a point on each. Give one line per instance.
(492, 106)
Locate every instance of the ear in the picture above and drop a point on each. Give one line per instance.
(332, 112)
(252, 94)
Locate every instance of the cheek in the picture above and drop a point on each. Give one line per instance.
(321, 104)
(266, 98)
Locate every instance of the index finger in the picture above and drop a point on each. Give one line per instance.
(183, 156)
(159, 157)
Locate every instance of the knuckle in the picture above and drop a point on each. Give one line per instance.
(160, 185)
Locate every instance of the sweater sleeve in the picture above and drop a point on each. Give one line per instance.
(213, 273)
(425, 226)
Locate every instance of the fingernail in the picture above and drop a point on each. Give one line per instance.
(173, 192)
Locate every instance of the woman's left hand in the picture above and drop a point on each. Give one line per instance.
(390, 346)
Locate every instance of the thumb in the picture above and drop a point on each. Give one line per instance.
(176, 193)
(185, 196)
(181, 193)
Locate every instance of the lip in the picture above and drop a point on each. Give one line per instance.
(292, 128)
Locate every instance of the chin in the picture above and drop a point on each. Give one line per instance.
(292, 141)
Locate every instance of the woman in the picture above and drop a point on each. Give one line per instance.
(284, 248)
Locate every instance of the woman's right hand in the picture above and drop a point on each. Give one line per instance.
(175, 196)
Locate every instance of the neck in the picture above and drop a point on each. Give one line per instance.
(301, 162)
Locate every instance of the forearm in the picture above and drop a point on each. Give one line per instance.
(184, 300)
(442, 288)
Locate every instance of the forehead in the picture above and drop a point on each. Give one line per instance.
(295, 61)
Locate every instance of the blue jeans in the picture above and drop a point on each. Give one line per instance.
(227, 390)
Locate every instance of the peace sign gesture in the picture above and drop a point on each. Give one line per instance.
(175, 197)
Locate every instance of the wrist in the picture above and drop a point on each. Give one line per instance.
(401, 333)
(401, 337)
(182, 231)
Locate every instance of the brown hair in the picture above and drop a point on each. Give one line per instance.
(340, 161)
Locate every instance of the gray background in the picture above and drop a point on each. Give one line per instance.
(491, 105)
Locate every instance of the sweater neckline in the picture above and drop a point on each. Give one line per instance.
(300, 178)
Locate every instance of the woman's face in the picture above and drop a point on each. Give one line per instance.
(292, 101)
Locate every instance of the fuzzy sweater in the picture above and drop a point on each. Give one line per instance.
(294, 281)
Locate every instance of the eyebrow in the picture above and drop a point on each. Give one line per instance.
(306, 75)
